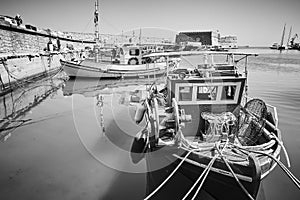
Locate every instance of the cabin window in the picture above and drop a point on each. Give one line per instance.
(185, 93)
(206, 93)
(134, 52)
(228, 92)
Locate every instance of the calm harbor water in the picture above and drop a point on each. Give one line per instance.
(76, 143)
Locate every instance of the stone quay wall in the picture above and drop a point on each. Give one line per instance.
(21, 69)
(18, 40)
(25, 54)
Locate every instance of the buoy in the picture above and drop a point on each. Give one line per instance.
(139, 146)
(182, 75)
(140, 112)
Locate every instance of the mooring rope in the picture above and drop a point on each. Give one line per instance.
(13, 128)
(201, 184)
(293, 178)
(20, 81)
(204, 173)
(168, 178)
(12, 75)
(283, 148)
(233, 174)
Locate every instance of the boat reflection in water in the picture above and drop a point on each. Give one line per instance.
(110, 106)
(128, 92)
(89, 87)
(16, 104)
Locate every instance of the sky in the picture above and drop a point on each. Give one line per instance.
(254, 22)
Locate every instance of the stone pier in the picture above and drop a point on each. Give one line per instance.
(27, 55)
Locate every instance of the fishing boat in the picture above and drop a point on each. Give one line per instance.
(204, 137)
(125, 61)
(89, 68)
(275, 45)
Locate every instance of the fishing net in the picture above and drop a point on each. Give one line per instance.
(250, 133)
(252, 122)
(258, 108)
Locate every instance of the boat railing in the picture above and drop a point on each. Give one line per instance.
(205, 73)
(232, 60)
(273, 110)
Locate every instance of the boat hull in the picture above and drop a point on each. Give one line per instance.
(219, 184)
(74, 69)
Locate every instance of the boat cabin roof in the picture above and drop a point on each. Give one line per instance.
(191, 53)
(207, 84)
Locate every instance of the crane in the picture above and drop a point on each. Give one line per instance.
(293, 39)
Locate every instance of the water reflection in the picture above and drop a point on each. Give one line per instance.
(18, 102)
(107, 128)
(89, 87)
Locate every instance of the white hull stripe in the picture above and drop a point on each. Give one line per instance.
(220, 171)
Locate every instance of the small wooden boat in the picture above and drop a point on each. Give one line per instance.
(90, 69)
(204, 138)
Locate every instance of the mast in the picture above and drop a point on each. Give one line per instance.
(282, 38)
(140, 36)
(96, 21)
(288, 41)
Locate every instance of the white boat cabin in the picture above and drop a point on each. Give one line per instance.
(134, 54)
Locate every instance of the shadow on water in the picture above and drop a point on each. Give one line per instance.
(112, 146)
(128, 185)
